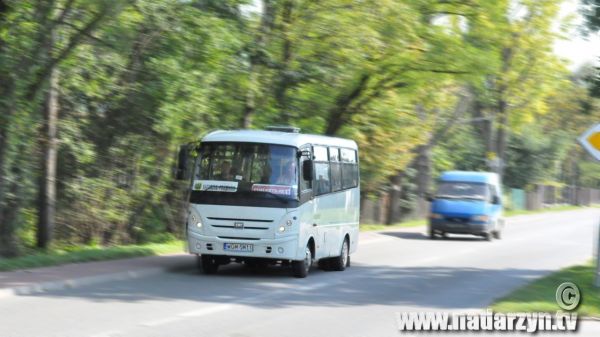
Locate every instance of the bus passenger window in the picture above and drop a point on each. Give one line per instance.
(322, 178)
(349, 168)
(322, 184)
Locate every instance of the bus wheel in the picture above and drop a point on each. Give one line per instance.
(210, 265)
(301, 268)
(341, 262)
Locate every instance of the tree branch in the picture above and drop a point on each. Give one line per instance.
(75, 40)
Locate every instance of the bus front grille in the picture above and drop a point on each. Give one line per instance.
(236, 219)
(236, 238)
(245, 227)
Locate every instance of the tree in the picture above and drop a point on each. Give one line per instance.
(526, 74)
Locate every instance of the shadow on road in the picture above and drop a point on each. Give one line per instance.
(422, 236)
(273, 287)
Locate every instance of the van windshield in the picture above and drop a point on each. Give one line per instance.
(251, 169)
(462, 190)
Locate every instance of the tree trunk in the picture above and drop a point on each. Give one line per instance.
(394, 211)
(9, 215)
(501, 136)
(423, 170)
(47, 191)
(284, 80)
(256, 60)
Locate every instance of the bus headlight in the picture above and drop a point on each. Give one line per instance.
(195, 221)
(281, 229)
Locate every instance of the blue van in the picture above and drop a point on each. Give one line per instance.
(467, 203)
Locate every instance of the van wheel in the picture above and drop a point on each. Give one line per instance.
(487, 236)
(301, 268)
(340, 263)
(431, 233)
(497, 234)
(209, 263)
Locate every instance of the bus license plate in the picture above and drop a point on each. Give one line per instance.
(238, 247)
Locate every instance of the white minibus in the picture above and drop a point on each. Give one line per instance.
(273, 196)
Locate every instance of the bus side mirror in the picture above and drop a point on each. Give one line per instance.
(496, 200)
(182, 160)
(429, 197)
(304, 153)
(307, 170)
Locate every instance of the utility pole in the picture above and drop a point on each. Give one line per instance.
(590, 140)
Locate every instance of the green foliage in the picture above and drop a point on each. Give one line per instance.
(534, 157)
(138, 78)
(79, 254)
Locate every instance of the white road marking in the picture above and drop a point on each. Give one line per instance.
(111, 333)
(161, 321)
(370, 241)
(206, 311)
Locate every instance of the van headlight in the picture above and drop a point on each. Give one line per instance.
(436, 216)
(481, 218)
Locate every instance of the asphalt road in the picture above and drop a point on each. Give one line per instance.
(392, 272)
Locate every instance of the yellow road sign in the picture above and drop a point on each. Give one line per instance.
(590, 140)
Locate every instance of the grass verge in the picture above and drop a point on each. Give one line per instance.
(539, 295)
(379, 227)
(88, 254)
(560, 208)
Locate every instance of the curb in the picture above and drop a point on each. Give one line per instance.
(37, 288)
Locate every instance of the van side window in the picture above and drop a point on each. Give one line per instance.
(322, 183)
(349, 168)
(491, 193)
(336, 169)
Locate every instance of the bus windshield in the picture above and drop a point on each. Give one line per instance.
(249, 168)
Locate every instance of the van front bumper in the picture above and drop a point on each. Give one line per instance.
(460, 226)
(285, 248)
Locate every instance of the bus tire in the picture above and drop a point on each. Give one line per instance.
(301, 268)
(339, 263)
(210, 265)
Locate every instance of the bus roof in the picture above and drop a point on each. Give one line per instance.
(276, 137)
(469, 176)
